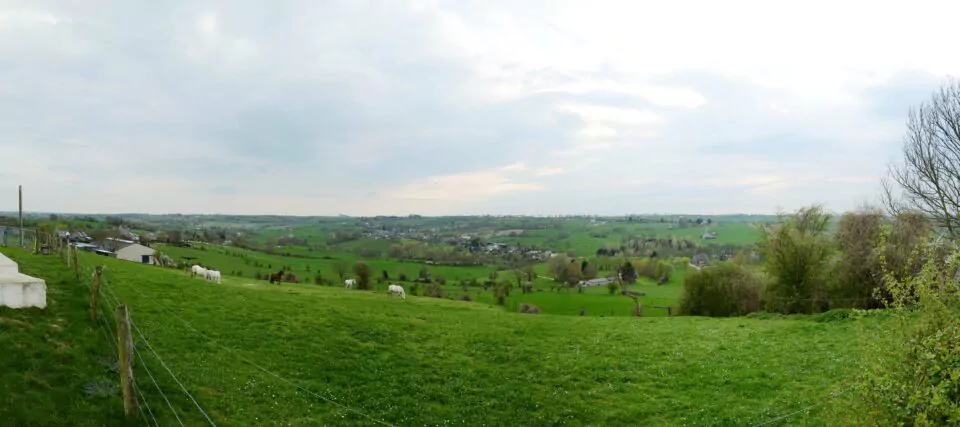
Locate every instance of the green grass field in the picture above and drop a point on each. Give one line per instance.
(419, 361)
(595, 300)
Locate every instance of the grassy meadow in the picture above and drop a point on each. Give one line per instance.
(419, 361)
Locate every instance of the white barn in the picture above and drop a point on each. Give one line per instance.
(136, 253)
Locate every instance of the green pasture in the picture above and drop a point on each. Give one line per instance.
(257, 354)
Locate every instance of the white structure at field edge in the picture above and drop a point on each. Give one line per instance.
(18, 290)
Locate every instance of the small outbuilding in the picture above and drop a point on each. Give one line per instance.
(136, 253)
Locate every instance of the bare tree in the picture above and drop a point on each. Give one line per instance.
(928, 179)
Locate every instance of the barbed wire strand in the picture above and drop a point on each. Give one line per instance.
(170, 371)
(265, 370)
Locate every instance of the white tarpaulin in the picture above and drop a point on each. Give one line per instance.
(19, 290)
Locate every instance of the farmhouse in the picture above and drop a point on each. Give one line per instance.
(136, 253)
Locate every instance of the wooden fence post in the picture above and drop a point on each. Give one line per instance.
(95, 294)
(76, 262)
(125, 343)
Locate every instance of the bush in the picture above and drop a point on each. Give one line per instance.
(721, 291)
(436, 291)
(466, 297)
(529, 309)
(402, 277)
(613, 287)
(911, 373)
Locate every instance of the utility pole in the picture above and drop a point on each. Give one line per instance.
(20, 188)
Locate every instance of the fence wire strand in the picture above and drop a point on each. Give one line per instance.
(265, 370)
(170, 371)
(111, 337)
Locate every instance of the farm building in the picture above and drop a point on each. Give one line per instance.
(136, 253)
(600, 281)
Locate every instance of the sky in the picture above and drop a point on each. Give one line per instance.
(536, 107)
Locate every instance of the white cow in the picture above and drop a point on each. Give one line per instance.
(213, 276)
(349, 283)
(199, 271)
(396, 289)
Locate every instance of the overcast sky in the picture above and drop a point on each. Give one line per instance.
(460, 107)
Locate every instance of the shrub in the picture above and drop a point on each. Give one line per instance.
(415, 289)
(436, 291)
(402, 277)
(529, 309)
(911, 373)
(466, 297)
(721, 291)
(441, 280)
(796, 252)
(613, 287)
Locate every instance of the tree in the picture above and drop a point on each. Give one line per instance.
(628, 274)
(528, 270)
(857, 272)
(590, 271)
(340, 267)
(424, 273)
(928, 179)
(558, 267)
(572, 276)
(363, 273)
(795, 252)
(386, 276)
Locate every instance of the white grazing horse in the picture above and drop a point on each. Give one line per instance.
(349, 283)
(213, 276)
(396, 289)
(199, 271)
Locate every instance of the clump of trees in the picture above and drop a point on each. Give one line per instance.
(805, 269)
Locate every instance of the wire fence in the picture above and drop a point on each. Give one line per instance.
(150, 364)
(146, 354)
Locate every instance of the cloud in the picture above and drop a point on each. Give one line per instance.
(459, 107)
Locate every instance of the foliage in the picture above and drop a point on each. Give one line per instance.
(613, 287)
(727, 289)
(912, 373)
(435, 290)
(363, 273)
(628, 272)
(856, 274)
(796, 252)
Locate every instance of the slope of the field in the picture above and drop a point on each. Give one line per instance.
(55, 366)
(427, 361)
